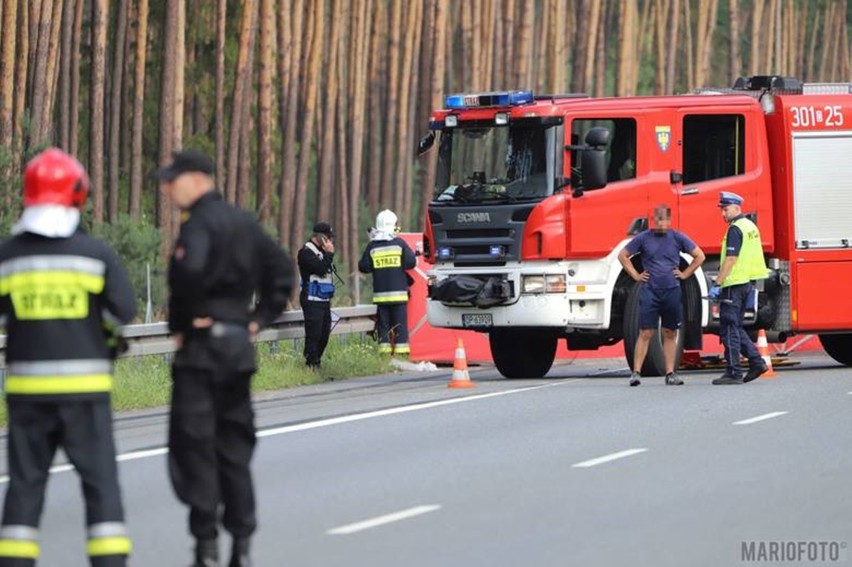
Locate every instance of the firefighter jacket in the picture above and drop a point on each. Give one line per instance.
(62, 300)
(388, 260)
(222, 258)
(316, 268)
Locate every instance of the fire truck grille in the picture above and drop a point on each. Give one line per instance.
(479, 233)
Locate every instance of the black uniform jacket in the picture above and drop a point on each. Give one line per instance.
(222, 259)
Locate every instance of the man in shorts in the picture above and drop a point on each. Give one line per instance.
(660, 296)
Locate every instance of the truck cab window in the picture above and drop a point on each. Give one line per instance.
(713, 146)
(620, 154)
(480, 163)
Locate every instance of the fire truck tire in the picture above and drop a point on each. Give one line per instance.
(838, 347)
(655, 362)
(522, 353)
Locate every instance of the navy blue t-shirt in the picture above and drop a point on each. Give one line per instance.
(661, 255)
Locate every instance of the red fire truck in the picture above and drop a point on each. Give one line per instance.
(536, 195)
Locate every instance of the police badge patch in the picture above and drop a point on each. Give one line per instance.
(664, 137)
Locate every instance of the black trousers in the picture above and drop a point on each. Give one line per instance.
(734, 338)
(84, 431)
(393, 320)
(317, 329)
(211, 443)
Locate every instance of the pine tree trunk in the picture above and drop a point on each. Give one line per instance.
(389, 154)
(167, 117)
(671, 58)
(76, 40)
(290, 99)
(242, 86)
(115, 109)
(136, 159)
(734, 40)
(378, 82)
(330, 112)
(7, 73)
(221, 16)
(41, 40)
(265, 157)
(362, 29)
(100, 22)
(66, 59)
(307, 134)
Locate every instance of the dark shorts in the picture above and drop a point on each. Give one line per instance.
(656, 304)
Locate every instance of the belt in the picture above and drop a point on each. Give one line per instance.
(220, 329)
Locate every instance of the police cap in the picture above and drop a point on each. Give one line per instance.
(185, 162)
(726, 198)
(323, 228)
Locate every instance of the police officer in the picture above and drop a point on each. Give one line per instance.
(63, 295)
(221, 257)
(388, 257)
(742, 263)
(316, 268)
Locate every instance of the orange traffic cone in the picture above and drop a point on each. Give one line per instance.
(763, 349)
(461, 377)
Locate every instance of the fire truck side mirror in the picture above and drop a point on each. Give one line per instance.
(597, 138)
(426, 142)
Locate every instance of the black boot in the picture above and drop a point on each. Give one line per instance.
(240, 553)
(206, 553)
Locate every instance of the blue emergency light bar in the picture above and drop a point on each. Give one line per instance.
(482, 100)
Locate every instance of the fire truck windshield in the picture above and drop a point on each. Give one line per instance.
(497, 163)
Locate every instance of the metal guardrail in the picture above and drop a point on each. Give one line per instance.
(154, 338)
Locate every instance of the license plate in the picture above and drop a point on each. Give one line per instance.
(476, 320)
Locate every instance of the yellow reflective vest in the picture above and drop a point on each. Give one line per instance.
(750, 264)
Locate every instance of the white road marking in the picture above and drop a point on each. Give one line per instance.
(392, 411)
(608, 458)
(382, 520)
(759, 418)
(145, 453)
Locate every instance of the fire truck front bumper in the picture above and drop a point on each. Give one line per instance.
(517, 298)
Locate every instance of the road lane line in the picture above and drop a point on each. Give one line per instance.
(382, 520)
(393, 411)
(145, 453)
(763, 417)
(608, 458)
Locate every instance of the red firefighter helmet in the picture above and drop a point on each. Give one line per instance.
(55, 178)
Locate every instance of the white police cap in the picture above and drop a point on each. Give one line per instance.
(727, 198)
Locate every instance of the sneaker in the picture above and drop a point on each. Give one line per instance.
(672, 379)
(726, 379)
(634, 379)
(755, 371)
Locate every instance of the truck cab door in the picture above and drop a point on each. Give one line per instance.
(712, 147)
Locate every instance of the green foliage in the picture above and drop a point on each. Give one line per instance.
(137, 243)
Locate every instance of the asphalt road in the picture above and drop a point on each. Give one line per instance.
(577, 469)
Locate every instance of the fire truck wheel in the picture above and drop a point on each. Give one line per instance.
(838, 347)
(522, 353)
(655, 362)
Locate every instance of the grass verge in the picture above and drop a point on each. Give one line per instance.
(145, 382)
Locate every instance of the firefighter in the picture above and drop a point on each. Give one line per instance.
(387, 257)
(316, 268)
(63, 296)
(660, 297)
(741, 264)
(221, 258)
